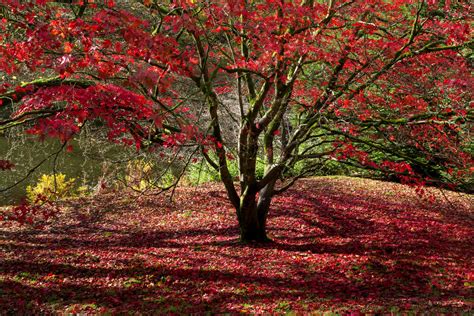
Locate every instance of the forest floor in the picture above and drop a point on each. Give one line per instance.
(340, 245)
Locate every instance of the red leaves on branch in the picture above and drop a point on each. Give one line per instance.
(388, 82)
(114, 105)
(6, 164)
(32, 214)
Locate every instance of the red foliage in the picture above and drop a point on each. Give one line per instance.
(353, 45)
(6, 165)
(389, 83)
(345, 245)
(35, 214)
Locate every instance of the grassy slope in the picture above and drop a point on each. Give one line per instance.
(340, 244)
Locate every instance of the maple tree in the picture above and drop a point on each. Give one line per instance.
(382, 85)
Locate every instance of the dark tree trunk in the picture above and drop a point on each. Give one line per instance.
(253, 215)
(252, 226)
(253, 231)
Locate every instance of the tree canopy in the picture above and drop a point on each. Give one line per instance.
(380, 85)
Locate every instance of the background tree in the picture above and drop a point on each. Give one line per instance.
(373, 84)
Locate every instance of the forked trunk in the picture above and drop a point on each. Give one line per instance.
(253, 215)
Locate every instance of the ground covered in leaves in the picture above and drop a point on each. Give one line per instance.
(339, 244)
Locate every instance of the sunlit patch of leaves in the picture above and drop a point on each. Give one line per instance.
(340, 245)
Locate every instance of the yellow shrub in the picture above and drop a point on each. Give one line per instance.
(139, 175)
(51, 189)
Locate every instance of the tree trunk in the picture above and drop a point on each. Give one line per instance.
(252, 226)
(253, 216)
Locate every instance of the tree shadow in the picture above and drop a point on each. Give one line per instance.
(395, 228)
(332, 250)
(156, 289)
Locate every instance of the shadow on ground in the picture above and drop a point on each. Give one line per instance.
(331, 250)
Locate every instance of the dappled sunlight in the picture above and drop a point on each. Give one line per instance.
(338, 244)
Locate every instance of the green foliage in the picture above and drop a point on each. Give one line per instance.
(202, 172)
(283, 306)
(131, 282)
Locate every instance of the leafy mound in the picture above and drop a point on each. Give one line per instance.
(339, 244)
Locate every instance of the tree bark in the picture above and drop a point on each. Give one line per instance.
(252, 214)
(252, 226)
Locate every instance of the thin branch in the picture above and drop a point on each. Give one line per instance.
(32, 170)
